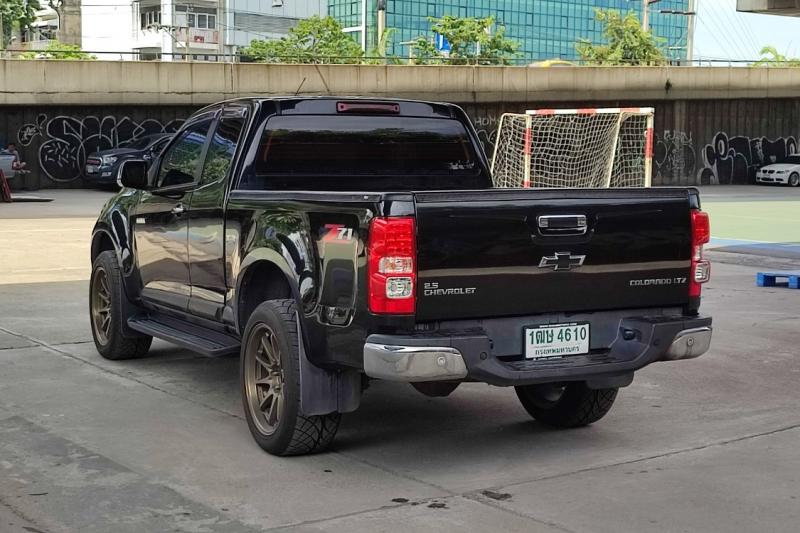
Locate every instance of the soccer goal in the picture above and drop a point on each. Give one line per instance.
(580, 148)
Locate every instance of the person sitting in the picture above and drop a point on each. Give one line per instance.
(17, 164)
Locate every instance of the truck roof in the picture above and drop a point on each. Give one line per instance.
(321, 104)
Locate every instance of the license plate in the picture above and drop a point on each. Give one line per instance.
(556, 340)
(91, 169)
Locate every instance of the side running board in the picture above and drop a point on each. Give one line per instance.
(185, 334)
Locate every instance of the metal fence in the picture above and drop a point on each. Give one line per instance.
(180, 55)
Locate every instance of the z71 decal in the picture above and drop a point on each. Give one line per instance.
(337, 232)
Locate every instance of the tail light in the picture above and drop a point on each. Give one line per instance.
(368, 107)
(701, 269)
(391, 265)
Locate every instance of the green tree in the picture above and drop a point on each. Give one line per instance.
(313, 40)
(626, 42)
(58, 50)
(16, 14)
(770, 57)
(471, 42)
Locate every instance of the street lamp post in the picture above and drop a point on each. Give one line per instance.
(646, 13)
(689, 29)
(364, 25)
(689, 13)
(381, 18)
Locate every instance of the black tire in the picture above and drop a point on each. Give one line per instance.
(108, 334)
(272, 402)
(794, 179)
(569, 405)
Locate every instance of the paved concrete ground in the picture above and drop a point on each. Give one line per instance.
(48, 242)
(159, 444)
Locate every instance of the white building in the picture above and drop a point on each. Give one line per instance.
(41, 31)
(161, 29)
(106, 27)
(211, 27)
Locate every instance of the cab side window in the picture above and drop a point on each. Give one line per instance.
(180, 163)
(222, 149)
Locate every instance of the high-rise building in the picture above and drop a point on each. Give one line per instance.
(546, 29)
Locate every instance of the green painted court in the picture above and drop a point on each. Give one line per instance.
(763, 221)
(754, 218)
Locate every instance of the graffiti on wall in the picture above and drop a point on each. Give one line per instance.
(28, 132)
(735, 160)
(674, 156)
(486, 128)
(68, 140)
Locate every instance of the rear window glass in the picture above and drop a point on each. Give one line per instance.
(337, 152)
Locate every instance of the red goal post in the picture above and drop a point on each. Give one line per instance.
(581, 148)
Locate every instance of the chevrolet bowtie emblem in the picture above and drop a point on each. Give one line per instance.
(562, 261)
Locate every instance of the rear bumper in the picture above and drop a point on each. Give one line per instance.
(456, 356)
(413, 363)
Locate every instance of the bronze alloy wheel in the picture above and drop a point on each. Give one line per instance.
(264, 379)
(269, 369)
(109, 310)
(100, 299)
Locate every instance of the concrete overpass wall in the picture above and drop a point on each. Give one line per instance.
(713, 125)
(174, 83)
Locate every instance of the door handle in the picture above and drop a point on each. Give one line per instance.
(178, 210)
(562, 224)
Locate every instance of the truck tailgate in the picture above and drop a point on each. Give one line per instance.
(491, 253)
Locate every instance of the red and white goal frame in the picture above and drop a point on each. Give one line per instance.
(588, 147)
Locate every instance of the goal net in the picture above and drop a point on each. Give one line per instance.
(579, 148)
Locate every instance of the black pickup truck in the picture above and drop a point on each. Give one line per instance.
(333, 240)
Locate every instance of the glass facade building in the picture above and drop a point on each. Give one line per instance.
(546, 29)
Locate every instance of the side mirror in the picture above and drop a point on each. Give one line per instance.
(133, 174)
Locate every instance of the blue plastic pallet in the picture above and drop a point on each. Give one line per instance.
(770, 279)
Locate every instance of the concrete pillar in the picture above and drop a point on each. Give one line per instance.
(679, 126)
(70, 26)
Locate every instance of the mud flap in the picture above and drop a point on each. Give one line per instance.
(326, 391)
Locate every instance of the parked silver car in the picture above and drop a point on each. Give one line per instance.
(6, 160)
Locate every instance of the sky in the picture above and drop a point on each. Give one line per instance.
(723, 33)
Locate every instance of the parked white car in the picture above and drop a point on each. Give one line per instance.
(6, 159)
(787, 172)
